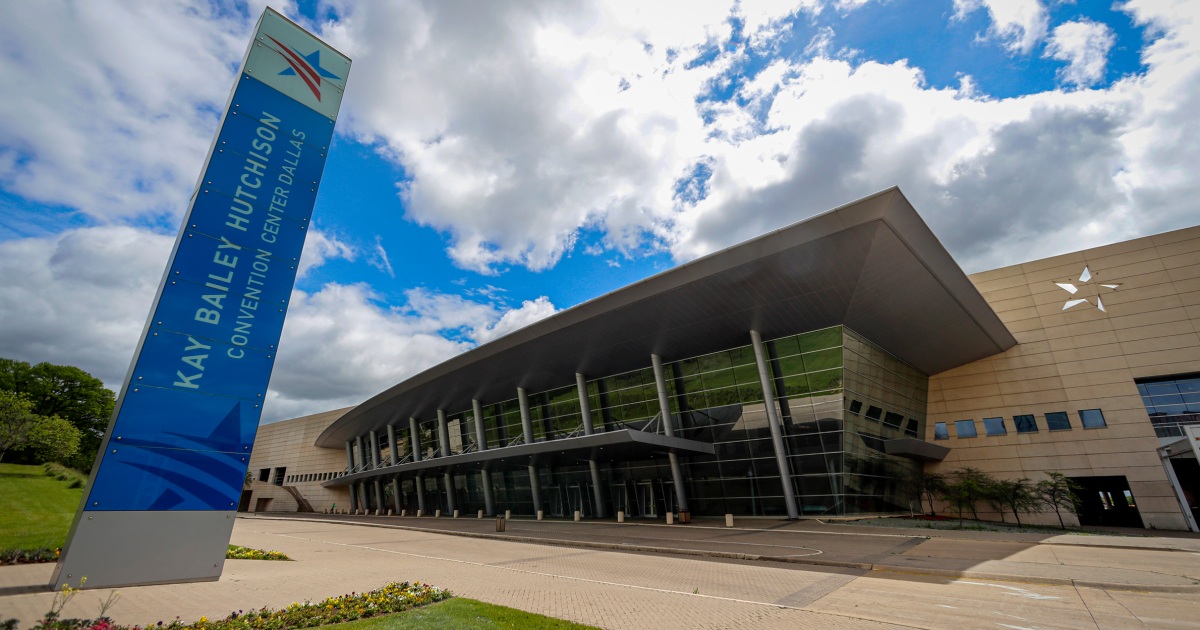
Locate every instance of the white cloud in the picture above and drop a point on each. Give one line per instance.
(80, 298)
(379, 259)
(1084, 46)
(1019, 24)
(515, 319)
(110, 106)
(320, 247)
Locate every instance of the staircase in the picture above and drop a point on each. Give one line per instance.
(302, 504)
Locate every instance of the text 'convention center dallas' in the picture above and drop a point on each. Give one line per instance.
(814, 371)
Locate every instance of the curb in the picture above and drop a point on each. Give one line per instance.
(862, 566)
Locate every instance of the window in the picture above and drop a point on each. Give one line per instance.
(264, 474)
(280, 475)
(893, 420)
(855, 407)
(1058, 421)
(994, 426)
(940, 432)
(874, 412)
(1092, 419)
(1025, 424)
(911, 428)
(965, 428)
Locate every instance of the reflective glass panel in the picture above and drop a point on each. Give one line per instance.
(1094, 419)
(1058, 421)
(940, 432)
(994, 426)
(1025, 424)
(965, 428)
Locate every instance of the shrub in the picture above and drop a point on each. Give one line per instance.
(392, 598)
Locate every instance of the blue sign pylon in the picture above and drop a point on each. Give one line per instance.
(160, 502)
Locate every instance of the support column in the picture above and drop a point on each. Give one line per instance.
(419, 486)
(485, 476)
(526, 422)
(374, 446)
(349, 470)
(585, 411)
(362, 453)
(443, 433)
(391, 433)
(396, 495)
(664, 405)
(785, 471)
(378, 494)
(535, 486)
(451, 503)
(415, 434)
(364, 498)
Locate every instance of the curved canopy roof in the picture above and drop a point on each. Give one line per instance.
(872, 265)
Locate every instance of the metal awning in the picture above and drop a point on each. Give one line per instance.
(621, 445)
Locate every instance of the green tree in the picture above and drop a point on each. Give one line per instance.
(67, 392)
(924, 487)
(16, 418)
(1059, 492)
(965, 488)
(53, 439)
(1015, 495)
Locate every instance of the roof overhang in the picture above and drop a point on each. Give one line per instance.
(622, 445)
(872, 265)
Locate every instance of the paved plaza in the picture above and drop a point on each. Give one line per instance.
(761, 574)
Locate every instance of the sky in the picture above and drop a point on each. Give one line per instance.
(496, 162)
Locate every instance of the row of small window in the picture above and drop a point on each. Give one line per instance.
(1025, 423)
(891, 419)
(264, 475)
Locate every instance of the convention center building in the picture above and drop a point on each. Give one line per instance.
(814, 371)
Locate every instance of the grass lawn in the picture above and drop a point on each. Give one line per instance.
(36, 508)
(456, 613)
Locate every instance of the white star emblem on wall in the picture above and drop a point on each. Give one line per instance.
(1084, 278)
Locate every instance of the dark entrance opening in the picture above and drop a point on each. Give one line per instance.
(1107, 501)
(244, 502)
(1187, 471)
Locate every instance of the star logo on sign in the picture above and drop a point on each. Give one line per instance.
(1074, 288)
(307, 67)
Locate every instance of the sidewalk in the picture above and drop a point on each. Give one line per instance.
(1156, 564)
(547, 573)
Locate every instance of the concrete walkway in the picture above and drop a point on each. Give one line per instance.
(623, 589)
(1111, 562)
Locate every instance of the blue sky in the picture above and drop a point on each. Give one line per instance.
(497, 162)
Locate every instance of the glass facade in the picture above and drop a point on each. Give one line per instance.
(838, 397)
(1172, 402)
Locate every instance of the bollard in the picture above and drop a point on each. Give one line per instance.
(437, 513)
(576, 516)
(540, 514)
(404, 512)
(389, 511)
(420, 512)
(620, 516)
(499, 523)
(480, 514)
(455, 514)
(507, 515)
(376, 511)
(728, 520)
(670, 518)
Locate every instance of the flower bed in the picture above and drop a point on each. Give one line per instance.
(392, 598)
(28, 556)
(245, 553)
